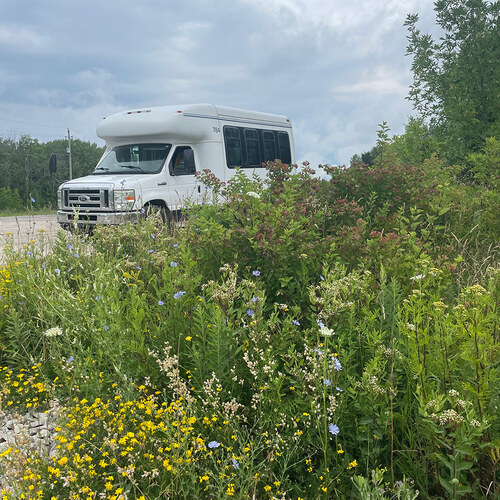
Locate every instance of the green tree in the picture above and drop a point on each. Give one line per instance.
(24, 168)
(416, 144)
(456, 79)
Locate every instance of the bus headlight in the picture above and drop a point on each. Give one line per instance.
(59, 199)
(124, 199)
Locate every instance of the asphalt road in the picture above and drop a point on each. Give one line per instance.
(27, 231)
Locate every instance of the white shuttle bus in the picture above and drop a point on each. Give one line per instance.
(153, 154)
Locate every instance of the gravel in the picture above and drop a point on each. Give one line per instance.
(31, 433)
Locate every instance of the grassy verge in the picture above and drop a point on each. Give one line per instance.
(288, 343)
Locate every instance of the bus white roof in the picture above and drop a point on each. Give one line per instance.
(156, 123)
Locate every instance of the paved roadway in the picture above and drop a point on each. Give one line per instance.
(20, 231)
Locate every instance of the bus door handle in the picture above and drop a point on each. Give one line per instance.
(162, 184)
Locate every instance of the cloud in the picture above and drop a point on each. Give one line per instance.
(336, 68)
(380, 80)
(21, 38)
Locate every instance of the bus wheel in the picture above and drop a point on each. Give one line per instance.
(157, 212)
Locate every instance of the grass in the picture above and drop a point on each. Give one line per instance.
(237, 356)
(27, 212)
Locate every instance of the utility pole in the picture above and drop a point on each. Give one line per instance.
(68, 150)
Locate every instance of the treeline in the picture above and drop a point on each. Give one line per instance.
(24, 169)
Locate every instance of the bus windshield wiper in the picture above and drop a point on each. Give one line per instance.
(104, 169)
(135, 167)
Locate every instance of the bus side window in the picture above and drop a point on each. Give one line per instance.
(252, 149)
(182, 162)
(234, 156)
(284, 147)
(269, 144)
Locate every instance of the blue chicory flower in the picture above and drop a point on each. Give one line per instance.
(336, 364)
(213, 444)
(173, 264)
(71, 359)
(179, 294)
(295, 322)
(161, 303)
(32, 200)
(334, 429)
(328, 382)
(236, 465)
(339, 389)
(256, 273)
(250, 312)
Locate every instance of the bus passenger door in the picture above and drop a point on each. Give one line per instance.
(183, 184)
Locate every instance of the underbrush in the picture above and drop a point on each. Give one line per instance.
(291, 342)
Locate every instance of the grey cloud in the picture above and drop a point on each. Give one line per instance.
(336, 68)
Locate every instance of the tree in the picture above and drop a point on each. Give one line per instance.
(24, 168)
(416, 144)
(456, 80)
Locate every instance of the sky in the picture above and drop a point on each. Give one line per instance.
(336, 68)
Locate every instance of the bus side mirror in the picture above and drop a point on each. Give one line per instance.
(53, 164)
(189, 161)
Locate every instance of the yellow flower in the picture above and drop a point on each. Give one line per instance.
(267, 487)
(352, 464)
(189, 339)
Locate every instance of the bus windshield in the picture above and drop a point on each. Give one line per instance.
(134, 159)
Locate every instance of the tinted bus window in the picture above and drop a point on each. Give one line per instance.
(284, 147)
(252, 149)
(269, 144)
(232, 139)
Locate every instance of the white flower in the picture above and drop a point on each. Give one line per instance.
(326, 332)
(418, 277)
(253, 194)
(53, 332)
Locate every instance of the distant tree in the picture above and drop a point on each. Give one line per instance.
(366, 158)
(417, 144)
(24, 168)
(456, 80)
